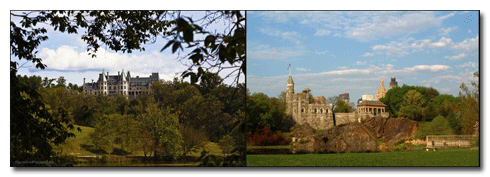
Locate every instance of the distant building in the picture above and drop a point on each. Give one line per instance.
(374, 107)
(367, 97)
(368, 104)
(393, 83)
(344, 97)
(381, 91)
(122, 83)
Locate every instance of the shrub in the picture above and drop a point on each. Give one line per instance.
(265, 137)
(438, 126)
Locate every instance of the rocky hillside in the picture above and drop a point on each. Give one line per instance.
(354, 137)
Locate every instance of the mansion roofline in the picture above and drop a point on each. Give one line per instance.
(122, 83)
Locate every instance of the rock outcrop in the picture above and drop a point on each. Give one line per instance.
(393, 129)
(353, 137)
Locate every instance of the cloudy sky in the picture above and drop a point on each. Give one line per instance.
(66, 55)
(335, 52)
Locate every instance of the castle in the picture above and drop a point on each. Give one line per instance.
(319, 115)
(122, 83)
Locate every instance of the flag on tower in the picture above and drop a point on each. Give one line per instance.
(289, 65)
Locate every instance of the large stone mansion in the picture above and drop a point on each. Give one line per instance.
(122, 83)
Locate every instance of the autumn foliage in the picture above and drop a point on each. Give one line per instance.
(265, 137)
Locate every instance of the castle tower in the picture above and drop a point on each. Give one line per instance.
(124, 82)
(381, 91)
(289, 95)
(103, 83)
(393, 83)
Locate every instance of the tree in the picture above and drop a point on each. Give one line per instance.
(33, 129)
(332, 100)
(265, 111)
(106, 130)
(282, 97)
(226, 144)
(394, 97)
(342, 107)
(192, 139)
(61, 82)
(162, 125)
(438, 126)
(469, 108)
(412, 105)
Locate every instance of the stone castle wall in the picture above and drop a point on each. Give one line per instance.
(327, 121)
(318, 114)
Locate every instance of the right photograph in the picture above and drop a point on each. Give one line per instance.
(363, 88)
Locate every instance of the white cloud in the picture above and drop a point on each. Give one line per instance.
(432, 68)
(468, 64)
(393, 60)
(267, 52)
(457, 57)
(442, 43)
(467, 44)
(360, 62)
(343, 67)
(66, 58)
(404, 47)
(469, 31)
(301, 69)
(446, 89)
(322, 32)
(321, 53)
(446, 31)
(288, 35)
(465, 77)
(368, 55)
(361, 25)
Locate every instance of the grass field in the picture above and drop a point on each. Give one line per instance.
(75, 146)
(442, 157)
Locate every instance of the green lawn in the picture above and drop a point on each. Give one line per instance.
(77, 146)
(442, 157)
(212, 148)
(74, 146)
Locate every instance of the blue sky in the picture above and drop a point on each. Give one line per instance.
(66, 55)
(335, 52)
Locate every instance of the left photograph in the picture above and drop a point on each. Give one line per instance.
(127, 88)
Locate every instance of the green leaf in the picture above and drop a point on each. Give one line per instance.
(188, 35)
(176, 46)
(167, 45)
(210, 39)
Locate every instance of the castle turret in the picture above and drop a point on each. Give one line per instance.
(289, 95)
(381, 91)
(103, 84)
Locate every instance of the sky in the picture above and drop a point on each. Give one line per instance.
(335, 52)
(65, 55)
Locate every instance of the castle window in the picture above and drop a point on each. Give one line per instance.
(321, 111)
(302, 109)
(124, 87)
(315, 110)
